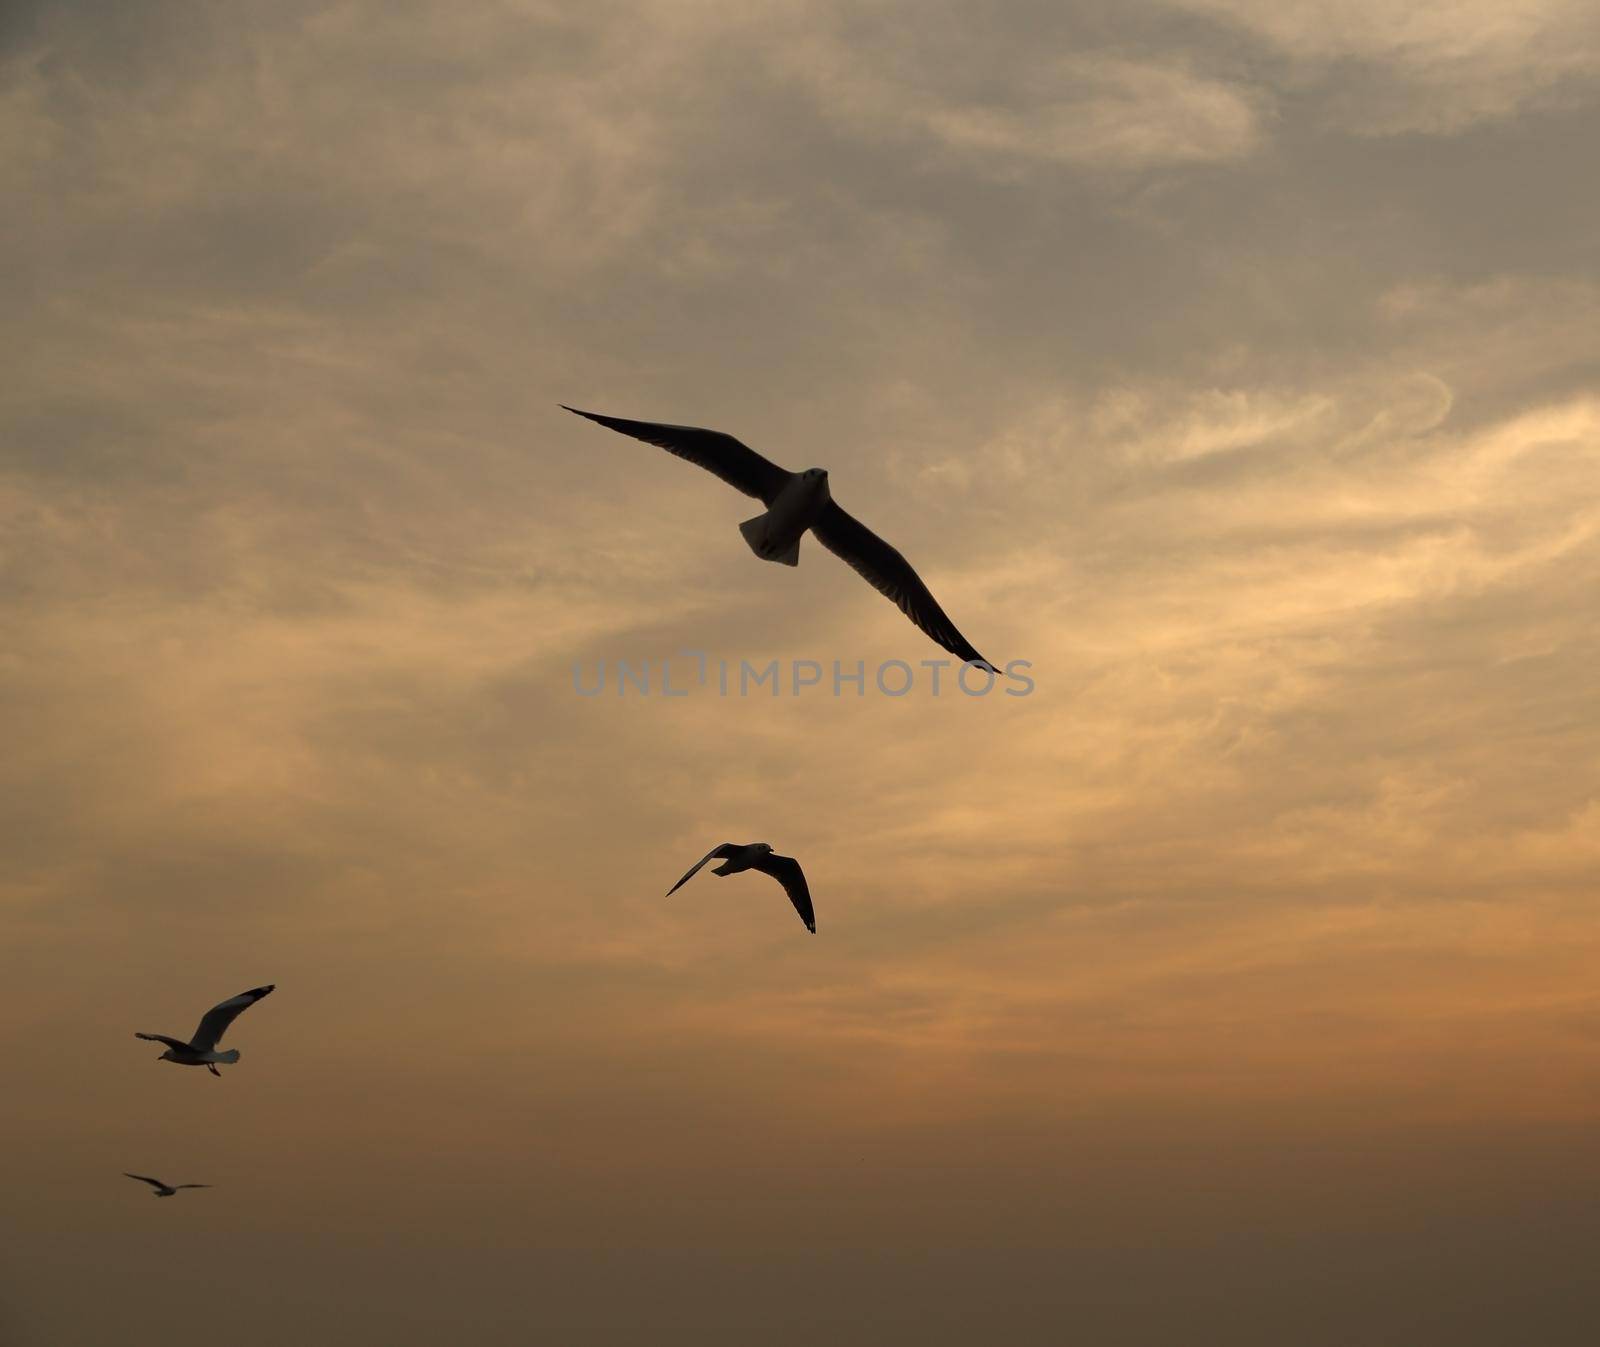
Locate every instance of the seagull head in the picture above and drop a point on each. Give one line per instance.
(814, 482)
(166, 1056)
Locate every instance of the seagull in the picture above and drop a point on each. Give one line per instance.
(164, 1189)
(760, 856)
(202, 1049)
(797, 501)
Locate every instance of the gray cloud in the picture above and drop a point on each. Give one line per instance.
(1431, 68)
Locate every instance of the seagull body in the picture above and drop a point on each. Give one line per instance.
(201, 1050)
(164, 1189)
(775, 535)
(797, 502)
(760, 856)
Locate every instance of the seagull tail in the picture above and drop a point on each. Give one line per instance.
(755, 533)
(229, 1057)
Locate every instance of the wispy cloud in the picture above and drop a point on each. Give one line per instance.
(1430, 68)
(1093, 109)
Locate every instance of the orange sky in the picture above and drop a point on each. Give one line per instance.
(1231, 362)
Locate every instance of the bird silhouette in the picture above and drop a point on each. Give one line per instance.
(760, 856)
(797, 501)
(164, 1189)
(201, 1050)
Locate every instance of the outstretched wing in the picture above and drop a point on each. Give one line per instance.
(145, 1178)
(882, 567)
(716, 853)
(786, 870)
(214, 1023)
(737, 464)
(162, 1038)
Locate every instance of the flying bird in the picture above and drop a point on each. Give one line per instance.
(201, 1050)
(164, 1189)
(797, 501)
(760, 856)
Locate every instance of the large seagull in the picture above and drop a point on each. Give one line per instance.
(797, 501)
(760, 856)
(201, 1050)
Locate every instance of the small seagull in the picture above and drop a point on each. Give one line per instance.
(797, 501)
(201, 1050)
(164, 1189)
(760, 856)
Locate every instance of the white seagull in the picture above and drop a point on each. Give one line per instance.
(797, 501)
(760, 856)
(201, 1050)
(164, 1189)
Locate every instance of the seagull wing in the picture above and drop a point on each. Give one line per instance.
(145, 1178)
(716, 853)
(162, 1038)
(882, 567)
(737, 464)
(786, 870)
(214, 1023)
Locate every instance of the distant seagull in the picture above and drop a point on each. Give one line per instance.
(164, 1189)
(797, 501)
(760, 856)
(201, 1050)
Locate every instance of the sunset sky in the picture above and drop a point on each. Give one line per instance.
(1234, 362)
